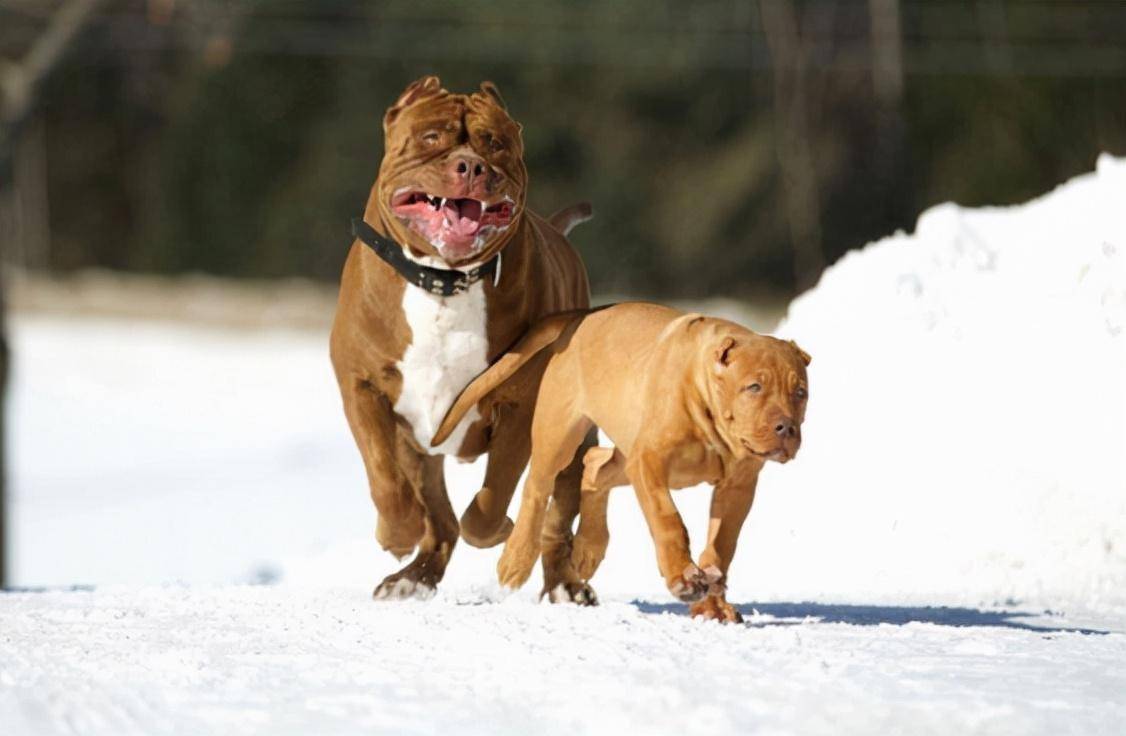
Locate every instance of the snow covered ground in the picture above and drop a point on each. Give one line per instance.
(947, 554)
(269, 660)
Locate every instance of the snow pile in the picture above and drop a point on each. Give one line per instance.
(966, 435)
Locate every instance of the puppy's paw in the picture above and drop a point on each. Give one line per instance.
(691, 585)
(717, 581)
(515, 566)
(716, 608)
(587, 554)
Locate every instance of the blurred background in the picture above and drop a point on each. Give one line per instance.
(196, 161)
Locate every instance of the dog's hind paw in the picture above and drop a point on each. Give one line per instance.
(587, 554)
(402, 589)
(514, 568)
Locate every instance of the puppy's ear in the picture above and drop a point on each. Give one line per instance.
(805, 357)
(723, 353)
(426, 87)
(491, 90)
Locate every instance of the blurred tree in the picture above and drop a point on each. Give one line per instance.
(729, 148)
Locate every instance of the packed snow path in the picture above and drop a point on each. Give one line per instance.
(276, 660)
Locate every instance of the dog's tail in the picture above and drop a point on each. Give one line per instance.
(566, 219)
(539, 336)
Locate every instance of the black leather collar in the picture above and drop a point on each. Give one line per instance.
(437, 281)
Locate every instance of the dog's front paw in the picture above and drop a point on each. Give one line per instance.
(417, 580)
(691, 585)
(716, 608)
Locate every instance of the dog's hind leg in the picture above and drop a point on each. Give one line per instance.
(557, 432)
(561, 582)
(603, 470)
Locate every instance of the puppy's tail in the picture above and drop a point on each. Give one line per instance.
(539, 336)
(565, 219)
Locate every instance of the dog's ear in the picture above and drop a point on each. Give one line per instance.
(805, 357)
(491, 90)
(723, 353)
(426, 87)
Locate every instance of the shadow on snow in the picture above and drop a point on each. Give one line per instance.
(788, 614)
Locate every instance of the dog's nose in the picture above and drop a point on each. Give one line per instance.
(785, 428)
(467, 168)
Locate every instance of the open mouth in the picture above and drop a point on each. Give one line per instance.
(457, 227)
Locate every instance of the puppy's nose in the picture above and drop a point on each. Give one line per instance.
(467, 168)
(785, 428)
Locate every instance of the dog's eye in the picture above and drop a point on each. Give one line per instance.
(492, 143)
(431, 137)
(801, 393)
(754, 388)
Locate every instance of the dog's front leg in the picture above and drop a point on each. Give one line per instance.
(401, 522)
(648, 471)
(731, 502)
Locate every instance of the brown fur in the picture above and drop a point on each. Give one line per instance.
(541, 274)
(676, 393)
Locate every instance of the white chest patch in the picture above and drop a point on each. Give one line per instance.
(449, 348)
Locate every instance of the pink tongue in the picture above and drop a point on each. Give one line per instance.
(463, 217)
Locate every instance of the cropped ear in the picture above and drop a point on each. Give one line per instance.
(723, 353)
(416, 90)
(805, 357)
(491, 90)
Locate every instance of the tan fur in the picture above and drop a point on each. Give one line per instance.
(425, 130)
(674, 392)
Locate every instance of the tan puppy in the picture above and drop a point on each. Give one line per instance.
(685, 399)
(449, 269)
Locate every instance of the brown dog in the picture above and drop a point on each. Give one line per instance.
(685, 399)
(456, 271)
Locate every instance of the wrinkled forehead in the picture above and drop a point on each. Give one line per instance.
(452, 110)
(773, 357)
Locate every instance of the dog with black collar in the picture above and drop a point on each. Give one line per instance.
(448, 270)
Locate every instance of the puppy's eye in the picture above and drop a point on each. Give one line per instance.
(754, 388)
(431, 137)
(801, 394)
